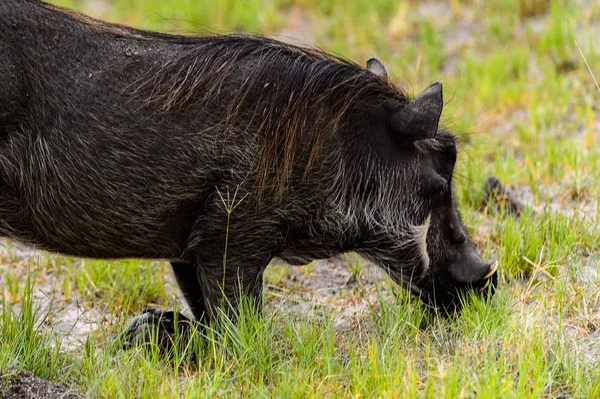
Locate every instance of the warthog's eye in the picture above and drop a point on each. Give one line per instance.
(436, 189)
(458, 236)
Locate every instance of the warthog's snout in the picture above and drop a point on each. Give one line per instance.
(472, 275)
(471, 269)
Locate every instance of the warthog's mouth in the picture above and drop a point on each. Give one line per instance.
(441, 292)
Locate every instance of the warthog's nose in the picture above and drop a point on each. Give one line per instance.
(471, 275)
(471, 269)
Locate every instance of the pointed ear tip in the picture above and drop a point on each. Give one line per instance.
(372, 61)
(437, 85)
(375, 66)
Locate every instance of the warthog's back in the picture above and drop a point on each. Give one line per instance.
(91, 167)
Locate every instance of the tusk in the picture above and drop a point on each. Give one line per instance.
(487, 282)
(493, 269)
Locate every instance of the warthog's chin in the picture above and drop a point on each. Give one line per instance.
(444, 293)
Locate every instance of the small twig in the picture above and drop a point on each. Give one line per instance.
(587, 65)
(537, 268)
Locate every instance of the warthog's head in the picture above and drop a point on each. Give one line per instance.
(422, 241)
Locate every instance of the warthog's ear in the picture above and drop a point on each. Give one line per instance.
(421, 117)
(375, 66)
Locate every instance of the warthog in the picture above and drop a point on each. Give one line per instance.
(218, 154)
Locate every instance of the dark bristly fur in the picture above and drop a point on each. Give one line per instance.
(117, 142)
(299, 90)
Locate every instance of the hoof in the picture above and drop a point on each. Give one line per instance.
(156, 327)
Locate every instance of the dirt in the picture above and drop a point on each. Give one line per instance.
(24, 385)
(331, 286)
(66, 317)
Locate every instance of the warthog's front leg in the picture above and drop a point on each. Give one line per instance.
(232, 252)
(229, 267)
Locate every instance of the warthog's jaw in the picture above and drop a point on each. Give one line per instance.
(440, 291)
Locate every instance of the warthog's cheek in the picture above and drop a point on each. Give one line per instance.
(420, 239)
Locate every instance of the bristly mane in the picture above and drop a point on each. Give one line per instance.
(287, 90)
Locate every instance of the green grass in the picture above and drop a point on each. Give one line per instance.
(25, 345)
(504, 349)
(523, 101)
